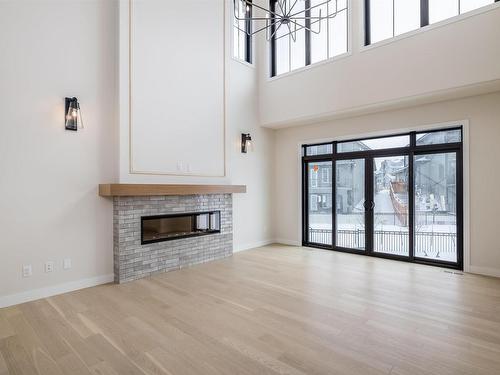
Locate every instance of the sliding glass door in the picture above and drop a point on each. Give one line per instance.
(319, 195)
(436, 206)
(390, 205)
(397, 197)
(350, 212)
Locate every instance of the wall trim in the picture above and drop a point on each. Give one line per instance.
(252, 245)
(283, 241)
(484, 271)
(49, 291)
(129, 102)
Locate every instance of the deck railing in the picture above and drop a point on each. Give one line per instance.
(396, 242)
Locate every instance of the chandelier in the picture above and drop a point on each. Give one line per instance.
(290, 15)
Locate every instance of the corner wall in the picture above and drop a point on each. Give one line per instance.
(483, 113)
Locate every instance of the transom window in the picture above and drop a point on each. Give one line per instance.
(385, 19)
(242, 40)
(328, 39)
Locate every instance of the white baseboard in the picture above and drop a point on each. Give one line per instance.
(252, 245)
(283, 241)
(485, 271)
(32, 295)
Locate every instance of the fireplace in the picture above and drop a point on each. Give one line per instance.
(176, 226)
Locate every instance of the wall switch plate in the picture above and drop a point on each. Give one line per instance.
(67, 263)
(27, 270)
(49, 266)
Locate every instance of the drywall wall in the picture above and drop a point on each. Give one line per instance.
(449, 60)
(48, 191)
(177, 87)
(49, 176)
(483, 113)
(252, 211)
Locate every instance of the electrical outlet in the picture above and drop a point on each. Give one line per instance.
(49, 266)
(67, 263)
(27, 270)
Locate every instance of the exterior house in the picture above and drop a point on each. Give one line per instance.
(349, 180)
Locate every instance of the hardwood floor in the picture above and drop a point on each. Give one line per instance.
(273, 310)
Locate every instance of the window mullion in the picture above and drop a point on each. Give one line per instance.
(308, 33)
(424, 13)
(393, 18)
(248, 37)
(273, 42)
(367, 23)
(327, 32)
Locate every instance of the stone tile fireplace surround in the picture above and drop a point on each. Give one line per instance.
(132, 260)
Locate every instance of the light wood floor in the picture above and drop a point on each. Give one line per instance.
(274, 310)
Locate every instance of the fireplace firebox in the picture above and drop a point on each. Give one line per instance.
(176, 226)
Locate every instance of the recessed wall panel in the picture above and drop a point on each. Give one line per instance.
(177, 87)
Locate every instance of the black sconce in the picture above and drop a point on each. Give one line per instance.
(73, 116)
(246, 143)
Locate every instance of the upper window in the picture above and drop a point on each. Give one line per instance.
(438, 137)
(326, 148)
(374, 143)
(385, 19)
(310, 40)
(242, 30)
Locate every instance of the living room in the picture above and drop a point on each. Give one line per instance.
(251, 187)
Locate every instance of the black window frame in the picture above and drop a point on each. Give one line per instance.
(424, 18)
(410, 151)
(248, 35)
(307, 42)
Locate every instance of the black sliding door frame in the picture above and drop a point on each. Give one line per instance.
(305, 204)
(369, 156)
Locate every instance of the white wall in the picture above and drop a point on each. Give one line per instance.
(49, 176)
(177, 87)
(456, 59)
(484, 114)
(48, 189)
(252, 211)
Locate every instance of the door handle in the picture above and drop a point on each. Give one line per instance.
(369, 205)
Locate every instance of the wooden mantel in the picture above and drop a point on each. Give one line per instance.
(129, 190)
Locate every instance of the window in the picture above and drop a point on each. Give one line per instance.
(325, 175)
(398, 196)
(242, 41)
(314, 202)
(319, 149)
(386, 19)
(374, 144)
(328, 38)
(445, 136)
(314, 177)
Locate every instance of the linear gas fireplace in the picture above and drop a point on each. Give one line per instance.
(176, 226)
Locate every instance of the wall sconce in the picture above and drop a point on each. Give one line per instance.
(73, 115)
(246, 143)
